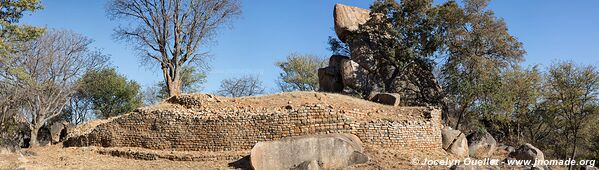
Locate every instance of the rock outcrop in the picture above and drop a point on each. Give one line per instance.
(454, 141)
(307, 165)
(363, 75)
(392, 99)
(329, 78)
(353, 75)
(58, 131)
(527, 152)
(348, 19)
(481, 144)
(331, 151)
(588, 167)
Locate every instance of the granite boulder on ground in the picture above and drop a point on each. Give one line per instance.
(328, 151)
(481, 144)
(454, 141)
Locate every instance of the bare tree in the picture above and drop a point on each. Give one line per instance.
(170, 32)
(79, 109)
(247, 85)
(44, 75)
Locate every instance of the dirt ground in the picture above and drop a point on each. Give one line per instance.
(57, 157)
(358, 108)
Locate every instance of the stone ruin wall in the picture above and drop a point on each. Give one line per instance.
(186, 131)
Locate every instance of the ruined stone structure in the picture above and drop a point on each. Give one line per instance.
(210, 123)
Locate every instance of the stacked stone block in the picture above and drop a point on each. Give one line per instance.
(189, 130)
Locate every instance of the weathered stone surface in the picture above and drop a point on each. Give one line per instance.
(353, 76)
(348, 19)
(307, 165)
(392, 99)
(55, 130)
(362, 53)
(588, 167)
(506, 148)
(481, 144)
(329, 80)
(58, 131)
(454, 141)
(527, 152)
(335, 61)
(330, 151)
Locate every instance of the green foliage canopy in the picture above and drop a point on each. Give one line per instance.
(111, 94)
(12, 34)
(300, 72)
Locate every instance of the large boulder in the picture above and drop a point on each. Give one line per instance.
(481, 144)
(307, 165)
(348, 19)
(588, 167)
(454, 141)
(55, 131)
(527, 152)
(335, 61)
(353, 75)
(58, 131)
(329, 78)
(387, 98)
(330, 151)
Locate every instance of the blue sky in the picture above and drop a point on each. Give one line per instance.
(269, 30)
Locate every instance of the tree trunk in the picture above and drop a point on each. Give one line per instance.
(573, 150)
(33, 138)
(462, 110)
(173, 83)
(174, 87)
(457, 124)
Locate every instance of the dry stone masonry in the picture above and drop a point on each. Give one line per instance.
(210, 123)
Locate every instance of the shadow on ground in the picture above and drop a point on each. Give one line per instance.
(243, 163)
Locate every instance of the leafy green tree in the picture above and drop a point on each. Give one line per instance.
(12, 40)
(402, 39)
(13, 35)
(478, 49)
(300, 72)
(515, 108)
(573, 95)
(110, 94)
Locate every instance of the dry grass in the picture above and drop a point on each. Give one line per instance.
(57, 157)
